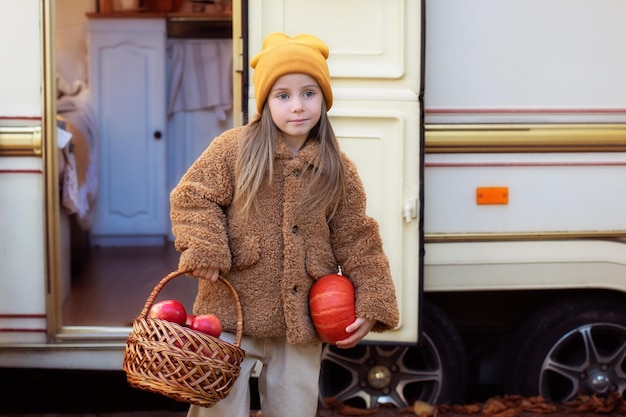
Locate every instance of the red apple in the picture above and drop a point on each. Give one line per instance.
(190, 318)
(170, 310)
(208, 324)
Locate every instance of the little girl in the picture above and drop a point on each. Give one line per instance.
(272, 206)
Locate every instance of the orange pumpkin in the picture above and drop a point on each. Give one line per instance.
(331, 302)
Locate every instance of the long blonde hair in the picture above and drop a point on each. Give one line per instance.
(255, 163)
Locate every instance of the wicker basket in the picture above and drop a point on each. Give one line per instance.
(181, 363)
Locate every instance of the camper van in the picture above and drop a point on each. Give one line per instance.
(490, 136)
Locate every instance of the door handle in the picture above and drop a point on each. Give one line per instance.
(409, 211)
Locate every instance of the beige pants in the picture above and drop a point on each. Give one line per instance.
(288, 382)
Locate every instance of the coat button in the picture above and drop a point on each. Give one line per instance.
(294, 229)
(294, 290)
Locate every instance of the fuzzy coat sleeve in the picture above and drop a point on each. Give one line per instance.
(197, 207)
(359, 250)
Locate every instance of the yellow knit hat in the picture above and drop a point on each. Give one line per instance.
(281, 54)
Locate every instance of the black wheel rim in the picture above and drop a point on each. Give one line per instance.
(590, 359)
(369, 375)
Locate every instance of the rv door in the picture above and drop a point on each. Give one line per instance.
(376, 71)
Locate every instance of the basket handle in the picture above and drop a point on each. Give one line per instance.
(157, 289)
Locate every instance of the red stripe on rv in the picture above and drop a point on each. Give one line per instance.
(21, 171)
(18, 330)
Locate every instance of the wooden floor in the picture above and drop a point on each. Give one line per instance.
(110, 286)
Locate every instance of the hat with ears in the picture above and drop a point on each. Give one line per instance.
(281, 54)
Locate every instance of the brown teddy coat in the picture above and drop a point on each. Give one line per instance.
(273, 258)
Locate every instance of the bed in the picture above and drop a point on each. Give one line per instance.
(77, 135)
(77, 153)
(78, 172)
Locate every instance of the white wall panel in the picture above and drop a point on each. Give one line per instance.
(547, 192)
(20, 78)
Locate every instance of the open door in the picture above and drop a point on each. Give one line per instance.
(375, 66)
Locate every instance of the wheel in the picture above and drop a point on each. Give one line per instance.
(571, 348)
(434, 372)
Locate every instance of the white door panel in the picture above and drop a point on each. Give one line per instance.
(127, 69)
(374, 141)
(368, 39)
(375, 52)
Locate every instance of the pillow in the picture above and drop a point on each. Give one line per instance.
(71, 53)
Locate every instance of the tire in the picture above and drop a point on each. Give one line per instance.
(570, 348)
(434, 372)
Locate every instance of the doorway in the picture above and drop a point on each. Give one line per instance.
(106, 285)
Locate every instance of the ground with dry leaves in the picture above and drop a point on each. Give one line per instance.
(506, 406)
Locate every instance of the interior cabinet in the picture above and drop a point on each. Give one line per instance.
(127, 77)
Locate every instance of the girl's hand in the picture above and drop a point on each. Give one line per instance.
(207, 272)
(360, 327)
